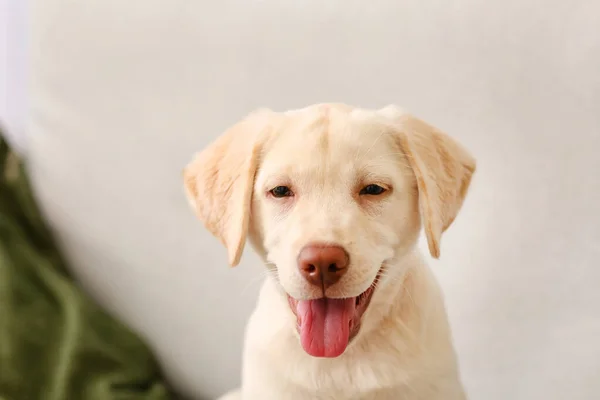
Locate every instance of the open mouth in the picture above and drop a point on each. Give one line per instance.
(326, 326)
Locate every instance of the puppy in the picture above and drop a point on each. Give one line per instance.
(333, 199)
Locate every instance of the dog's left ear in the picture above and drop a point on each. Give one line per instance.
(219, 181)
(442, 168)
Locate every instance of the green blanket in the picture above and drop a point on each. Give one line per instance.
(55, 343)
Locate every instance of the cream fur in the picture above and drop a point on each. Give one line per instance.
(326, 153)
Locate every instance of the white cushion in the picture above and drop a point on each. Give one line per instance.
(124, 92)
(13, 67)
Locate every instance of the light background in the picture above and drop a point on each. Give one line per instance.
(13, 44)
(123, 93)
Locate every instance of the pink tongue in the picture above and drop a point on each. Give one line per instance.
(325, 325)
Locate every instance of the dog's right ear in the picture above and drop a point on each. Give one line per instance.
(219, 181)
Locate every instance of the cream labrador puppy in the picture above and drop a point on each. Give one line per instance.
(333, 198)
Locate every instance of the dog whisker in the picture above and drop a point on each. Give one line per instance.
(258, 279)
(374, 143)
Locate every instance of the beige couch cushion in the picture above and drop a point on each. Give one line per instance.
(123, 92)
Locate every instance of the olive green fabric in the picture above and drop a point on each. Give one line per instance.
(55, 343)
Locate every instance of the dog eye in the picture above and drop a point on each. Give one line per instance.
(281, 191)
(372, 190)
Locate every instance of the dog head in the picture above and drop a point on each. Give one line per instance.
(330, 196)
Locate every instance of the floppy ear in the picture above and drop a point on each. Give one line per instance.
(219, 182)
(443, 170)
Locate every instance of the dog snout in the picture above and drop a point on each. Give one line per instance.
(323, 265)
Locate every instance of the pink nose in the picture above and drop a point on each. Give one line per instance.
(323, 265)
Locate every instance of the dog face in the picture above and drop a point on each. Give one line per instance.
(330, 196)
(333, 177)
